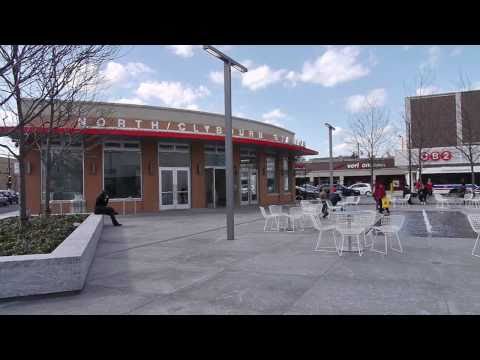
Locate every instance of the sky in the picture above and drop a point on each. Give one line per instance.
(296, 87)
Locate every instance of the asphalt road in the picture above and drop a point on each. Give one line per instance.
(5, 209)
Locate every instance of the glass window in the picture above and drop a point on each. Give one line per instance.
(122, 173)
(66, 174)
(173, 155)
(271, 185)
(214, 155)
(285, 175)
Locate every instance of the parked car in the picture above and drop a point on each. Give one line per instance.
(301, 193)
(342, 190)
(4, 200)
(363, 188)
(10, 195)
(453, 189)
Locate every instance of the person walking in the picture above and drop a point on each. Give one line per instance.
(323, 199)
(422, 193)
(101, 208)
(429, 187)
(378, 194)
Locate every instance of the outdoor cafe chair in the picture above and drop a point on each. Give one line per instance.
(269, 219)
(352, 225)
(332, 207)
(321, 227)
(296, 213)
(441, 201)
(467, 199)
(389, 227)
(276, 211)
(474, 220)
(401, 200)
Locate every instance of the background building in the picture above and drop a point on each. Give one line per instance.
(348, 171)
(440, 124)
(153, 159)
(7, 170)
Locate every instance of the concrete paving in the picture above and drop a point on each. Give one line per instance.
(179, 262)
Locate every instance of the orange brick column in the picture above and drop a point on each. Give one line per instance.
(93, 174)
(236, 167)
(33, 181)
(262, 178)
(150, 177)
(198, 176)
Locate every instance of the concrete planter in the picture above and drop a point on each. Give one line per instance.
(64, 269)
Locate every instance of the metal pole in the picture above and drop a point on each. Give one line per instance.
(229, 152)
(331, 158)
(409, 158)
(358, 150)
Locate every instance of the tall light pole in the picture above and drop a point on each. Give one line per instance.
(330, 129)
(227, 64)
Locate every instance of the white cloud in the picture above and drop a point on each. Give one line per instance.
(428, 90)
(192, 107)
(476, 85)
(456, 51)
(184, 51)
(433, 57)
(273, 116)
(116, 73)
(134, 100)
(357, 103)
(335, 66)
(216, 77)
(342, 149)
(173, 94)
(406, 47)
(261, 77)
(187, 51)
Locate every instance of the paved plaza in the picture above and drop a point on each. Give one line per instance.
(179, 262)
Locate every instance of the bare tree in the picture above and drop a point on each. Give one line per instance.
(370, 130)
(42, 74)
(468, 140)
(74, 70)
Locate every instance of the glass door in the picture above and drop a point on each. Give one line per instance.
(248, 186)
(220, 188)
(174, 188)
(253, 196)
(244, 186)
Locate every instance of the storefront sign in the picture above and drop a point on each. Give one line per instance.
(437, 155)
(182, 127)
(363, 165)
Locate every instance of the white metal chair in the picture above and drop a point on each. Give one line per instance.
(277, 212)
(475, 201)
(467, 199)
(441, 201)
(268, 218)
(332, 207)
(296, 213)
(325, 226)
(401, 200)
(349, 225)
(474, 220)
(389, 226)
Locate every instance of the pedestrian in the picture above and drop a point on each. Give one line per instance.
(406, 190)
(386, 204)
(429, 187)
(323, 199)
(101, 208)
(422, 194)
(378, 194)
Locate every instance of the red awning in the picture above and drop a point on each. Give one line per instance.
(300, 150)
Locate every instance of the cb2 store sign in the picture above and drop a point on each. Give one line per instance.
(437, 155)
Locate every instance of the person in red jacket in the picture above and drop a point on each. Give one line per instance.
(378, 194)
(429, 187)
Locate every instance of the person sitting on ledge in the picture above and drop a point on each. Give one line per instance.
(101, 208)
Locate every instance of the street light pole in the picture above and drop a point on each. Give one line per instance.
(330, 129)
(227, 64)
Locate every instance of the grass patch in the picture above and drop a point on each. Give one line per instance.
(41, 235)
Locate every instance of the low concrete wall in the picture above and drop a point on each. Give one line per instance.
(64, 269)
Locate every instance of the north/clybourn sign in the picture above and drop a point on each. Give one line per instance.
(182, 127)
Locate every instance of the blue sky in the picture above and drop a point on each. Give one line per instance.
(297, 87)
